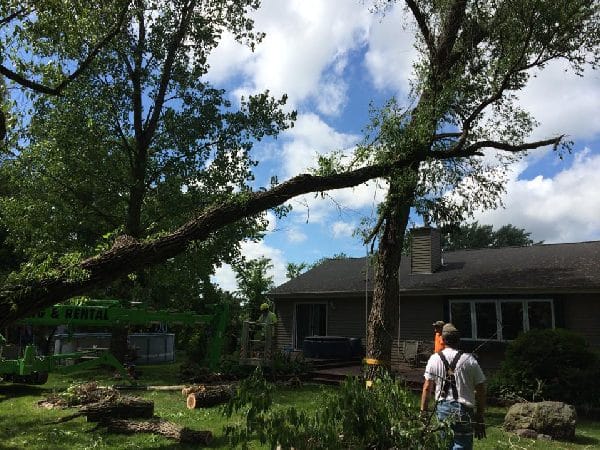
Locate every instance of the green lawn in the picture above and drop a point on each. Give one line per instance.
(23, 425)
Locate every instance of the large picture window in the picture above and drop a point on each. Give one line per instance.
(501, 320)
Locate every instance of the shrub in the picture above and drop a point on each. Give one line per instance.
(550, 364)
(286, 365)
(383, 416)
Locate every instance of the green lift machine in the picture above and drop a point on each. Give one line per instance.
(32, 368)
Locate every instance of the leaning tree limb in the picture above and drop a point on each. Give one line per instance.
(19, 301)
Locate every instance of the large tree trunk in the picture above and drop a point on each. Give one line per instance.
(121, 408)
(162, 427)
(382, 326)
(383, 318)
(119, 345)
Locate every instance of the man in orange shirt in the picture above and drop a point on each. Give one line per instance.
(438, 342)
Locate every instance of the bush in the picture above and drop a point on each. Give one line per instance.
(550, 365)
(286, 365)
(383, 416)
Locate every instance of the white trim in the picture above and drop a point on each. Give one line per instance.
(525, 302)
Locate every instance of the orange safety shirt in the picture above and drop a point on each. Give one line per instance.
(438, 343)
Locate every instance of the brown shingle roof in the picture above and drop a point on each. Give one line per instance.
(574, 266)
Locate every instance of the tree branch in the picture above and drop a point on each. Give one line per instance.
(17, 13)
(423, 26)
(19, 301)
(186, 15)
(452, 23)
(49, 90)
(555, 141)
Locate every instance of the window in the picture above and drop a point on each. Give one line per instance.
(501, 320)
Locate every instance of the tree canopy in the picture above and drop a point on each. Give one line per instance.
(474, 235)
(135, 142)
(474, 57)
(253, 284)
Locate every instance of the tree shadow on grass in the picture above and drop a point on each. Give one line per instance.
(217, 442)
(585, 440)
(20, 390)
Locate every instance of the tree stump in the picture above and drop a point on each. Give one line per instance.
(209, 397)
(121, 408)
(162, 427)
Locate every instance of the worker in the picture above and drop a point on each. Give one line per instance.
(267, 317)
(438, 342)
(459, 385)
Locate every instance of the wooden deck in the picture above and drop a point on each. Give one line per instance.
(333, 372)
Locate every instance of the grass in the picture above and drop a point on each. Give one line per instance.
(23, 425)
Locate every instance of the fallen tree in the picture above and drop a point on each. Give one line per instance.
(129, 255)
(162, 427)
(123, 407)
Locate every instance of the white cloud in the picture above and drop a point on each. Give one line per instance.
(225, 276)
(272, 220)
(391, 53)
(564, 208)
(303, 53)
(310, 137)
(563, 102)
(342, 229)
(295, 235)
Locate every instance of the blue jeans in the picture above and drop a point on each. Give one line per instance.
(460, 417)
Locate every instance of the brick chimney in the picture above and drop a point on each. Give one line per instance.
(425, 250)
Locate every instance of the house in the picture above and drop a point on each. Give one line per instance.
(490, 294)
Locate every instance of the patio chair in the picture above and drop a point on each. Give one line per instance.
(410, 351)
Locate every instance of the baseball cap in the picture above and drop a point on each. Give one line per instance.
(449, 328)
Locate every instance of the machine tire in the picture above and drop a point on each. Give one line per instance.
(39, 377)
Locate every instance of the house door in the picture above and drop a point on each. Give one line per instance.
(311, 320)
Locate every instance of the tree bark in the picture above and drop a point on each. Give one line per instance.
(121, 408)
(208, 398)
(162, 427)
(19, 301)
(383, 318)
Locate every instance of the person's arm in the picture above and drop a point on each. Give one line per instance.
(428, 387)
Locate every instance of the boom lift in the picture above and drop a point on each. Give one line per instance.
(33, 368)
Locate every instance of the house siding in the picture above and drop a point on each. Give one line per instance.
(417, 314)
(284, 327)
(346, 317)
(581, 313)
(425, 254)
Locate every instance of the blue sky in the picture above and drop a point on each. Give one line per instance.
(333, 58)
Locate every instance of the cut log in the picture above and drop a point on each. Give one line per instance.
(121, 408)
(193, 389)
(208, 398)
(162, 427)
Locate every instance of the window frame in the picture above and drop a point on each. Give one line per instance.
(498, 306)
